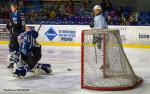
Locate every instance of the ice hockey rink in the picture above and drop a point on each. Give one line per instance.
(68, 82)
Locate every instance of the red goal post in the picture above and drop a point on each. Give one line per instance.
(104, 65)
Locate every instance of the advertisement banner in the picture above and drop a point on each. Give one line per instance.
(70, 35)
(4, 33)
(134, 35)
(61, 33)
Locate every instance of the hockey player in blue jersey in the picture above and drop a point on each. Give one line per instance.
(30, 51)
(15, 26)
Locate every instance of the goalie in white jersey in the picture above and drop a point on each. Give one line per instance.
(99, 23)
(99, 19)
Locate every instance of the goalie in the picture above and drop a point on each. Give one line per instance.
(99, 23)
(30, 51)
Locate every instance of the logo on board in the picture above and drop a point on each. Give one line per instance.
(51, 34)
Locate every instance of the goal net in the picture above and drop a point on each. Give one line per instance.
(104, 65)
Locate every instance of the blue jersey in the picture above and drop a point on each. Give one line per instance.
(16, 24)
(27, 40)
(100, 22)
(16, 19)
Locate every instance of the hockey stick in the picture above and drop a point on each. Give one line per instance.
(95, 50)
(40, 26)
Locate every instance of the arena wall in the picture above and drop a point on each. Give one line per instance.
(70, 35)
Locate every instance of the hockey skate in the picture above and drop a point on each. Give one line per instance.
(19, 72)
(42, 69)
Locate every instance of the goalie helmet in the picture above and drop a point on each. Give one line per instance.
(97, 7)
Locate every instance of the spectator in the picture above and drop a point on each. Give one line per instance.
(84, 6)
(32, 15)
(132, 20)
(109, 20)
(124, 21)
(106, 5)
(52, 15)
(69, 8)
(57, 5)
(1, 11)
(62, 10)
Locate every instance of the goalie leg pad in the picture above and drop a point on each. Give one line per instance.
(20, 72)
(13, 57)
(43, 69)
(97, 39)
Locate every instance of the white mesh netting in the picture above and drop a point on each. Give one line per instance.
(104, 63)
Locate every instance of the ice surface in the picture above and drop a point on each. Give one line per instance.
(67, 82)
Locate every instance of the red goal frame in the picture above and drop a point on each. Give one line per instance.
(83, 86)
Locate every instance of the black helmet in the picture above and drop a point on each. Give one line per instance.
(13, 4)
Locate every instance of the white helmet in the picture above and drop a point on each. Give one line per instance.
(97, 7)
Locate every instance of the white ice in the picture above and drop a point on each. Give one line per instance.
(67, 82)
